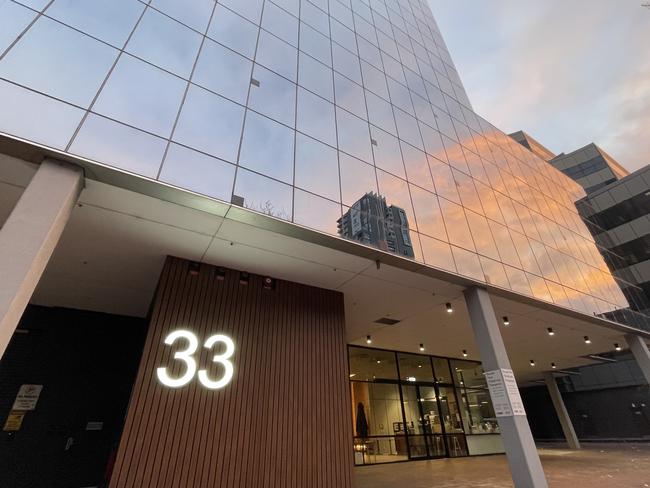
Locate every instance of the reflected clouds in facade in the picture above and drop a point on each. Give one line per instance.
(312, 112)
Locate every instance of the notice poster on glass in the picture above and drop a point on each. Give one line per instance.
(506, 399)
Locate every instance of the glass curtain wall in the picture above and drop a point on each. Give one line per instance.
(415, 406)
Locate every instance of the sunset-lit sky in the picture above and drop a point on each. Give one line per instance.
(567, 72)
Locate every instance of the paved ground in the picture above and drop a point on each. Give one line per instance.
(595, 466)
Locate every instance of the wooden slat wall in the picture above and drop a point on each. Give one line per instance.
(284, 420)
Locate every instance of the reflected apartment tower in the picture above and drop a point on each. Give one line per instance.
(372, 221)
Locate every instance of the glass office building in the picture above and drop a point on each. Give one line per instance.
(298, 109)
(319, 141)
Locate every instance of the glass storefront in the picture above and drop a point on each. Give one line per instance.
(414, 406)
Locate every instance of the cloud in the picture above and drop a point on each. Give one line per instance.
(569, 73)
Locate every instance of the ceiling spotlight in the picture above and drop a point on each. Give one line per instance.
(244, 278)
(421, 347)
(378, 361)
(587, 340)
(553, 365)
(550, 331)
(449, 307)
(506, 322)
(269, 283)
(617, 347)
(368, 339)
(194, 268)
(532, 362)
(464, 353)
(221, 274)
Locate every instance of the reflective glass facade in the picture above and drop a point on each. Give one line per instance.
(345, 116)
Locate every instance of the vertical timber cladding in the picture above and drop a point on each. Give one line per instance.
(283, 421)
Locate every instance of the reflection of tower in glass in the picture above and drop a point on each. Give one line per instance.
(372, 221)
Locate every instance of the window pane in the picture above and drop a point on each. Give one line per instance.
(210, 124)
(427, 213)
(315, 212)
(109, 20)
(314, 17)
(317, 168)
(58, 61)
(106, 141)
(443, 180)
(387, 152)
(380, 113)
(57, 121)
(316, 117)
(397, 193)
(250, 9)
(437, 253)
(407, 128)
(280, 23)
(414, 367)
(353, 135)
(223, 71)
(197, 172)
(456, 224)
(417, 167)
(264, 195)
(141, 95)
(374, 80)
(277, 55)
(315, 76)
(349, 95)
(482, 235)
(267, 147)
(346, 63)
(467, 263)
(195, 13)
(233, 31)
(165, 43)
(315, 44)
(357, 179)
(275, 96)
(344, 36)
(372, 364)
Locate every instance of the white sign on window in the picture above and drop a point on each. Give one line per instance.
(504, 393)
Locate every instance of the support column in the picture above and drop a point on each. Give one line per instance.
(29, 236)
(523, 459)
(640, 351)
(561, 411)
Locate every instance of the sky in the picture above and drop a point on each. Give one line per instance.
(568, 72)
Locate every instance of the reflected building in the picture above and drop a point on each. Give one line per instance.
(372, 222)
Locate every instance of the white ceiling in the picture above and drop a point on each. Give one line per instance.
(112, 251)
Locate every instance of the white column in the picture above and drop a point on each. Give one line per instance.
(29, 236)
(523, 459)
(640, 351)
(561, 411)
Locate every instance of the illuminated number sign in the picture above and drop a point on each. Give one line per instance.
(187, 356)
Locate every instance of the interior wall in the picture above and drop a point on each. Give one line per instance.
(283, 420)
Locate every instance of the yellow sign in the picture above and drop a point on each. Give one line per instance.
(14, 421)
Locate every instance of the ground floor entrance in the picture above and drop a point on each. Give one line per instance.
(414, 406)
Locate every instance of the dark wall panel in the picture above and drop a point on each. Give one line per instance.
(283, 421)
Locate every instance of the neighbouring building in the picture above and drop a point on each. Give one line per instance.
(193, 289)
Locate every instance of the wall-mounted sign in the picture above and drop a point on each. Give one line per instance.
(186, 356)
(27, 397)
(506, 399)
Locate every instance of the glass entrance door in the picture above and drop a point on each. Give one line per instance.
(423, 422)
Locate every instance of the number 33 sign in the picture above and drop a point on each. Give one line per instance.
(187, 357)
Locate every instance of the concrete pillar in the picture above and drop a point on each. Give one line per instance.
(560, 410)
(640, 351)
(29, 236)
(523, 459)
